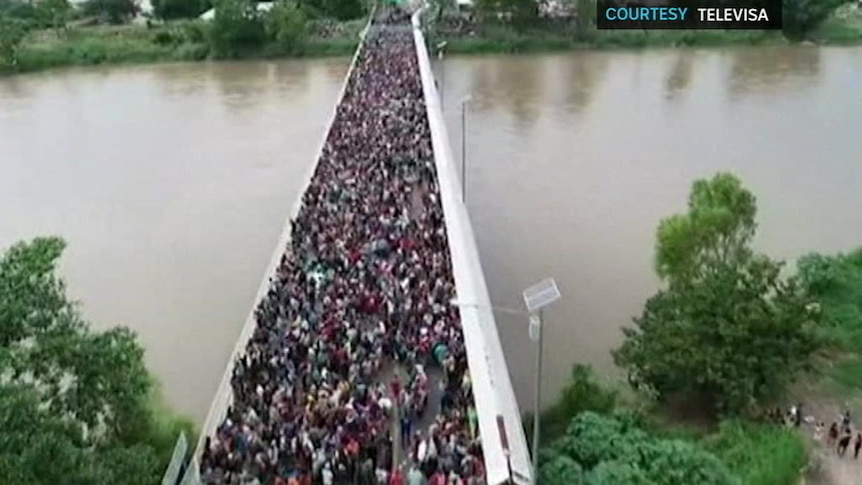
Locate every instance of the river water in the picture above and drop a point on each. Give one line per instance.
(171, 183)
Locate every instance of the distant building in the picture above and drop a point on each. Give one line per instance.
(261, 7)
(557, 9)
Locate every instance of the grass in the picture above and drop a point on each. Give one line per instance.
(844, 27)
(501, 40)
(186, 41)
(759, 453)
(836, 283)
(135, 44)
(166, 426)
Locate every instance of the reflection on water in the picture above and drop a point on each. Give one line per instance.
(518, 80)
(171, 183)
(773, 70)
(242, 87)
(679, 77)
(584, 74)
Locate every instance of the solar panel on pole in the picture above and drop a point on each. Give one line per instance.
(541, 295)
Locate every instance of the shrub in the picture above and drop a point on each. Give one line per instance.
(237, 27)
(286, 25)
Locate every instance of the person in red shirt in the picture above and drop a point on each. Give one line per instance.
(396, 478)
(395, 385)
(437, 479)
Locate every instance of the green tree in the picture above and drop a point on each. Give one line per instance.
(12, 33)
(583, 393)
(75, 404)
(559, 469)
(607, 451)
(727, 330)
(521, 14)
(617, 472)
(803, 16)
(54, 13)
(112, 11)
(343, 9)
(237, 27)
(586, 18)
(286, 25)
(179, 9)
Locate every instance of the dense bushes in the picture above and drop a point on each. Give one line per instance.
(180, 9)
(112, 11)
(12, 32)
(609, 441)
(835, 284)
(803, 16)
(286, 27)
(584, 392)
(759, 454)
(237, 27)
(76, 405)
(727, 330)
(602, 450)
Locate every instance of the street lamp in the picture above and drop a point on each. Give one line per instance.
(501, 423)
(440, 48)
(536, 298)
(464, 101)
(501, 309)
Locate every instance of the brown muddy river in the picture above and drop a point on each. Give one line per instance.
(171, 183)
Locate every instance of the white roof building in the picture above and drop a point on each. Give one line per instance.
(261, 7)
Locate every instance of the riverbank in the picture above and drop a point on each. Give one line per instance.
(844, 27)
(187, 41)
(173, 42)
(753, 445)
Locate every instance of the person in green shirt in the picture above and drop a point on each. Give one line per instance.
(472, 421)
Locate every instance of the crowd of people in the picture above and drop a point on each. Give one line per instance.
(362, 294)
(839, 437)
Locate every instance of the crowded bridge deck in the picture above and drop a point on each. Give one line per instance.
(355, 367)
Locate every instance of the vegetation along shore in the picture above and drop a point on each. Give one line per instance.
(736, 366)
(36, 35)
(77, 405)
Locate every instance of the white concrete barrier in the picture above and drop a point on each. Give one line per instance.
(224, 394)
(492, 386)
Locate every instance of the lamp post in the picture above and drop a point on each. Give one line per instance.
(464, 101)
(501, 423)
(440, 51)
(536, 298)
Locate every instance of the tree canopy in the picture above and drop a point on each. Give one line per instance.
(113, 11)
(12, 32)
(727, 329)
(76, 405)
(602, 450)
(180, 9)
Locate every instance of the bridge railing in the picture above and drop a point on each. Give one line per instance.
(504, 444)
(224, 394)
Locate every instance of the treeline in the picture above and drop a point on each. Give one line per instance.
(173, 30)
(727, 335)
(76, 405)
(577, 18)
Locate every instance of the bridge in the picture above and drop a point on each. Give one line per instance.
(496, 425)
